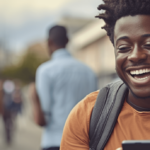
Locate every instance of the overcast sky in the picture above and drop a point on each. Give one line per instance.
(25, 21)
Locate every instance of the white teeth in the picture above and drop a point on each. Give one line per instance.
(140, 71)
(137, 71)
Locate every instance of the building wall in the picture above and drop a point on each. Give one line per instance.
(106, 55)
(99, 55)
(89, 56)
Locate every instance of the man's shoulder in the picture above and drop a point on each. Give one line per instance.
(87, 104)
(90, 99)
(44, 66)
(72, 64)
(81, 113)
(76, 130)
(82, 66)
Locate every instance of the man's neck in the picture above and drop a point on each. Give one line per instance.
(55, 49)
(141, 102)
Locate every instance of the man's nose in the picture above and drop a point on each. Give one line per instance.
(137, 55)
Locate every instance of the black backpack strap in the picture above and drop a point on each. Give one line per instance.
(105, 113)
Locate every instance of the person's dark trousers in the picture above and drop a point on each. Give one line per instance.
(51, 148)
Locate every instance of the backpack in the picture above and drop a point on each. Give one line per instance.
(105, 114)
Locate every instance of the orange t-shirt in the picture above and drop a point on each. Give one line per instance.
(131, 125)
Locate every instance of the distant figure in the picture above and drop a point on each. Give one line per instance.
(60, 83)
(8, 89)
(17, 99)
(12, 102)
(1, 97)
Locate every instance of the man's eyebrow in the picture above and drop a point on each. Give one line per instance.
(123, 37)
(146, 35)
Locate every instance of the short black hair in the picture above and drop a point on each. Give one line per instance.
(58, 34)
(115, 9)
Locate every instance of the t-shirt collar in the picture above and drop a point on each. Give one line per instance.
(62, 52)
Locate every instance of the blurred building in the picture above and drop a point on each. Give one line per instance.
(74, 24)
(92, 46)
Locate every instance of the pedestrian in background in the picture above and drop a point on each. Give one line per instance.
(1, 97)
(8, 89)
(12, 104)
(60, 84)
(17, 99)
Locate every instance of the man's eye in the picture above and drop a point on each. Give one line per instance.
(124, 48)
(147, 46)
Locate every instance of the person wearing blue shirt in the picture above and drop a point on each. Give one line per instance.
(60, 84)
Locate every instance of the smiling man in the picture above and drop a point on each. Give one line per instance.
(132, 50)
(128, 26)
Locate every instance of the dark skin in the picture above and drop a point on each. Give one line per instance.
(132, 53)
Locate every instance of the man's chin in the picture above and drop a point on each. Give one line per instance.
(139, 95)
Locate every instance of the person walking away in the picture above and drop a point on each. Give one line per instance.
(60, 84)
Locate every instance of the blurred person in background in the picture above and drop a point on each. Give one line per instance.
(17, 99)
(12, 101)
(8, 88)
(1, 97)
(60, 84)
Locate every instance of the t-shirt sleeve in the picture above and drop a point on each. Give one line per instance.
(76, 130)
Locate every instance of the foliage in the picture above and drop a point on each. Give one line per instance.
(24, 70)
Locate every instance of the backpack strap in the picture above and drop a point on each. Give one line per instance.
(105, 114)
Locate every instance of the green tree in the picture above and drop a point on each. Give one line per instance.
(24, 70)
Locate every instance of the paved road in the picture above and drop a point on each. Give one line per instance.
(27, 136)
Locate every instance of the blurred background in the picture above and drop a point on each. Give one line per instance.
(24, 26)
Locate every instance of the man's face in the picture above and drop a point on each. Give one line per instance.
(132, 52)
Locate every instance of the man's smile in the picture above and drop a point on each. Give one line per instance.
(140, 71)
(132, 51)
(139, 74)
